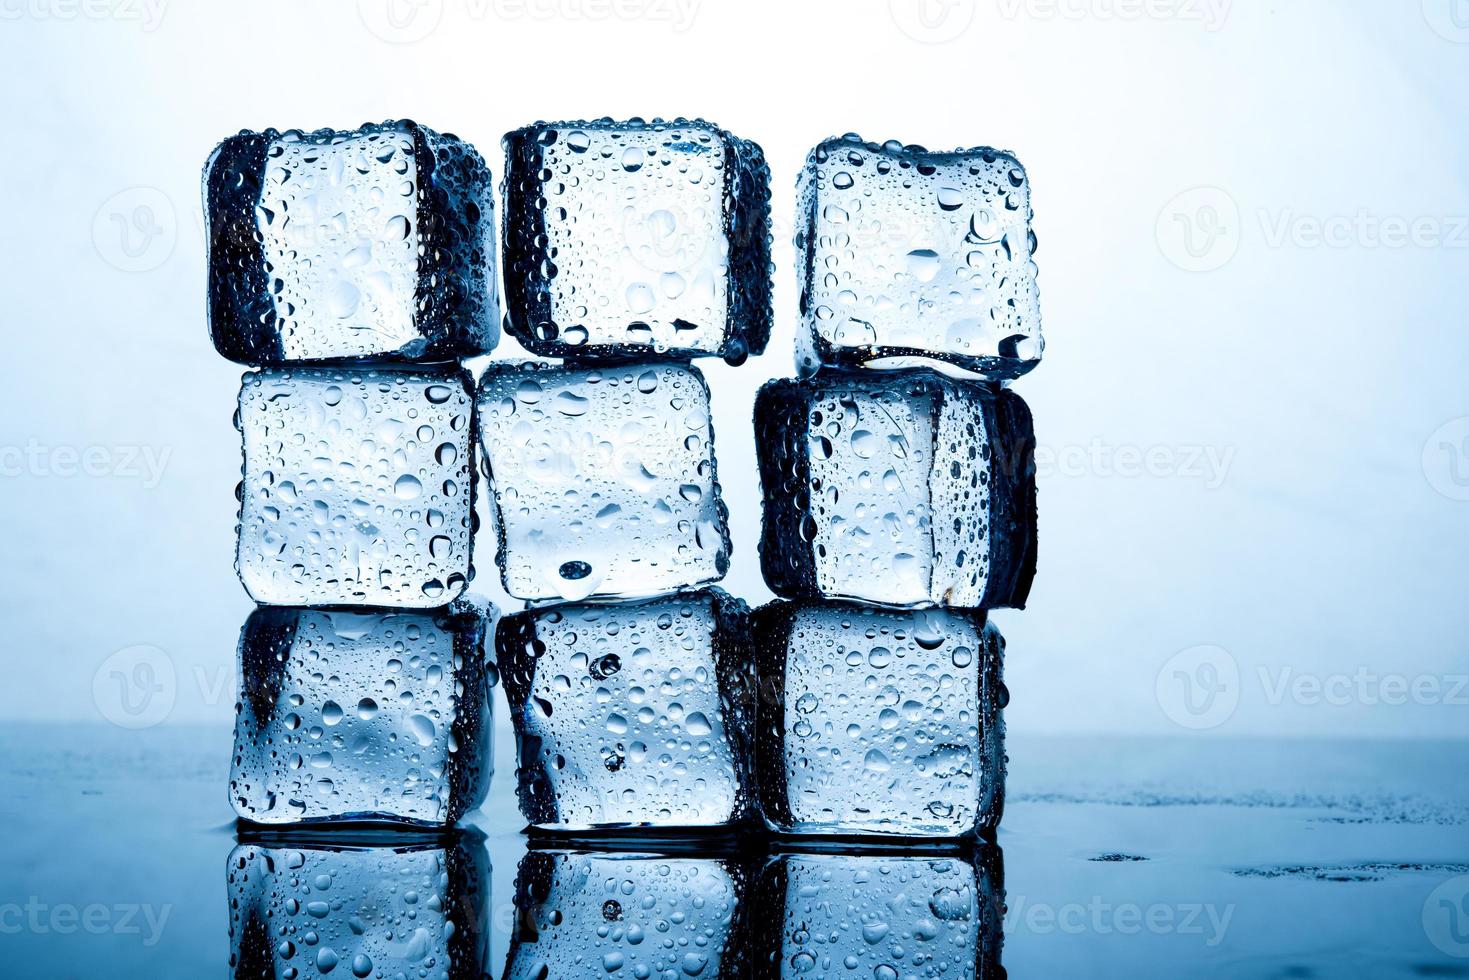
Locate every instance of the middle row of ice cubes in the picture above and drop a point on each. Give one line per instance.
(621, 240)
(904, 488)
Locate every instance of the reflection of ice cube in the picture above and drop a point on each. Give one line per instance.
(603, 479)
(881, 915)
(377, 241)
(627, 238)
(906, 253)
(630, 714)
(585, 914)
(362, 716)
(907, 488)
(878, 721)
(405, 908)
(358, 486)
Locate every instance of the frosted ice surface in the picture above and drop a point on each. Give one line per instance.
(346, 715)
(631, 714)
(603, 479)
(906, 488)
(377, 241)
(878, 721)
(625, 239)
(905, 253)
(358, 485)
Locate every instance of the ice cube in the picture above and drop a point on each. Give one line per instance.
(878, 721)
(603, 479)
(377, 241)
(631, 714)
(906, 488)
(904, 253)
(412, 907)
(626, 238)
(349, 715)
(631, 914)
(881, 915)
(358, 485)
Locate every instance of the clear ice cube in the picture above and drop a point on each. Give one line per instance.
(603, 479)
(356, 716)
(631, 714)
(358, 485)
(905, 488)
(878, 721)
(587, 914)
(343, 908)
(371, 242)
(861, 916)
(904, 253)
(628, 238)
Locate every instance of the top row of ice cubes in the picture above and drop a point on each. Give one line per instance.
(620, 239)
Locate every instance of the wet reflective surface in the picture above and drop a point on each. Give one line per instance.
(1116, 858)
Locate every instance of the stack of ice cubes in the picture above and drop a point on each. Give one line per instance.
(657, 719)
(899, 494)
(351, 271)
(630, 248)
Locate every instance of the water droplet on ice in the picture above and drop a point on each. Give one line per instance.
(422, 729)
(923, 264)
(407, 487)
(641, 298)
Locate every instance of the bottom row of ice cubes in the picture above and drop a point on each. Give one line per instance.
(303, 910)
(668, 714)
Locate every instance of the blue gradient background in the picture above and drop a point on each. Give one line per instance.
(1332, 542)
